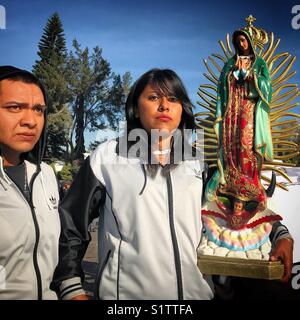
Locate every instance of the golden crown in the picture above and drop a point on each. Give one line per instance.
(259, 36)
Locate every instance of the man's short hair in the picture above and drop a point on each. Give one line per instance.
(16, 74)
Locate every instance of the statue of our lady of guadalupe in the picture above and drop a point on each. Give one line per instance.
(242, 113)
(238, 216)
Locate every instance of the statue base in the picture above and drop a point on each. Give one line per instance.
(246, 268)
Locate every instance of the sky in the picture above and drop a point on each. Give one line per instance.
(138, 35)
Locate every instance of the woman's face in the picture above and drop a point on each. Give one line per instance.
(157, 111)
(242, 43)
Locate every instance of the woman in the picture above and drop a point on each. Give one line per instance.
(150, 223)
(242, 124)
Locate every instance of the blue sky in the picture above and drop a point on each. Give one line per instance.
(138, 35)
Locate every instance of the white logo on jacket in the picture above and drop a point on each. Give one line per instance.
(53, 200)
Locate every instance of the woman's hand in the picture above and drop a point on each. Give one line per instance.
(284, 251)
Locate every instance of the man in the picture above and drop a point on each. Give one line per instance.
(29, 220)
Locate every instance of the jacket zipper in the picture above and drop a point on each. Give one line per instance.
(37, 234)
(37, 239)
(174, 238)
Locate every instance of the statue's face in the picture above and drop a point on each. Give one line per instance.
(238, 207)
(242, 43)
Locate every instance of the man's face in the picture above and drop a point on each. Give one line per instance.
(22, 107)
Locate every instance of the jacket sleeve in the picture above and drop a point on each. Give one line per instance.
(61, 191)
(77, 210)
(279, 231)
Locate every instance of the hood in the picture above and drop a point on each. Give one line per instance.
(36, 154)
(247, 36)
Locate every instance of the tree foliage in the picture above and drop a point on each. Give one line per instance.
(83, 94)
(51, 70)
(97, 93)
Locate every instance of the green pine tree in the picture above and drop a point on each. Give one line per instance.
(51, 70)
(98, 95)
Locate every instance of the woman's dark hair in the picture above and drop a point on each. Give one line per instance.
(168, 83)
